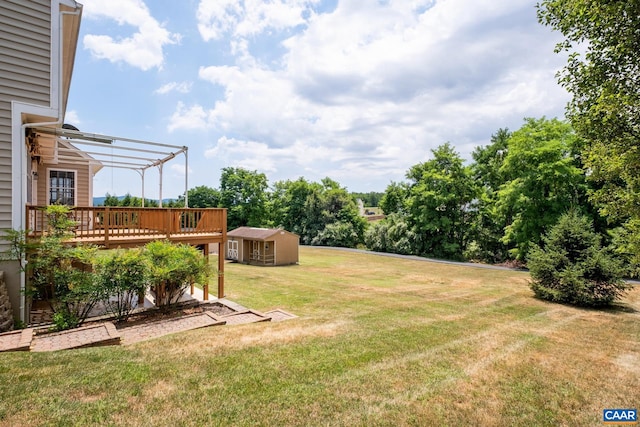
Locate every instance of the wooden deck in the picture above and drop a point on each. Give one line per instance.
(112, 227)
(124, 227)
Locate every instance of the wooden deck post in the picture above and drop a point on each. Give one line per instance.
(205, 287)
(222, 247)
(220, 270)
(167, 223)
(107, 225)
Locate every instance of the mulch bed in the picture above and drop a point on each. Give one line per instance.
(148, 315)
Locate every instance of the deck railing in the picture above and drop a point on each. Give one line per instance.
(107, 222)
(258, 258)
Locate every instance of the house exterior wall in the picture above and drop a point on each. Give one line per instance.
(83, 180)
(25, 77)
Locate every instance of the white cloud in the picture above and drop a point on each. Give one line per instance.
(71, 117)
(182, 87)
(248, 154)
(258, 100)
(194, 117)
(247, 18)
(216, 17)
(142, 49)
(367, 90)
(178, 169)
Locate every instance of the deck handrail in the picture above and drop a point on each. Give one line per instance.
(108, 222)
(262, 258)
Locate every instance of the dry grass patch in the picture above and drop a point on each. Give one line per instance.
(379, 341)
(224, 340)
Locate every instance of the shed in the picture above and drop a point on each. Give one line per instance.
(262, 246)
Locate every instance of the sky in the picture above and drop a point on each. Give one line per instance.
(355, 90)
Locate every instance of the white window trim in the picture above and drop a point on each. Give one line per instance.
(75, 182)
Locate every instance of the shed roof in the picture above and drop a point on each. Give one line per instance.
(257, 233)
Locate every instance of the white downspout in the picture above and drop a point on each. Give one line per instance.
(141, 172)
(23, 135)
(160, 185)
(186, 178)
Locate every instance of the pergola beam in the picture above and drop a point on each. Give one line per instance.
(106, 159)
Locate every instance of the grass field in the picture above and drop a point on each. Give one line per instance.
(378, 341)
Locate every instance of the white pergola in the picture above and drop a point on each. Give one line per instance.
(117, 152)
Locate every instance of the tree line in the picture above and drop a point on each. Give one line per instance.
(321, 213)
(494, 209)
(562, 195)
(516, 188)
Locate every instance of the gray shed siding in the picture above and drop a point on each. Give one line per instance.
(25, 75)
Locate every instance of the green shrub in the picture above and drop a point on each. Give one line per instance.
(121, 275)
(573, 268)
(340, 234)
(172, 268)
(392, 234)
(61, 274)
(59, 222)
(76, 290)
(63, 320)
(624, 243)
(74, 279)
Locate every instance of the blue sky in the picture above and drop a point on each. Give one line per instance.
(355, 90)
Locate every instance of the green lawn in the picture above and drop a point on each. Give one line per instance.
(378, 341)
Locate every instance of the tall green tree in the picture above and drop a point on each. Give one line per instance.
(370, 199)
(320, 213)
(344, 227)
(204, 197)
(128, 201)
(439, 200)
(489, 225)
(243, 193)
(296, 206)
(394, 198)
(603, 75)
(392, 235)
(543, 179)
(572, 267)
(110, 200)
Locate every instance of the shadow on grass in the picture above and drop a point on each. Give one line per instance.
(614, 308)
(619, 308)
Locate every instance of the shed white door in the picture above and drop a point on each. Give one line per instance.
(256, 251)
(232, 249)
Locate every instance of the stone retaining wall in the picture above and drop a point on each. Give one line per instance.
(6, 314)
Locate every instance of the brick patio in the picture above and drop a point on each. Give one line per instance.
(106, 332)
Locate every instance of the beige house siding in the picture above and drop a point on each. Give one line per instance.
(83, 178)
(25, 49)
(25, 71)
(25, 76)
